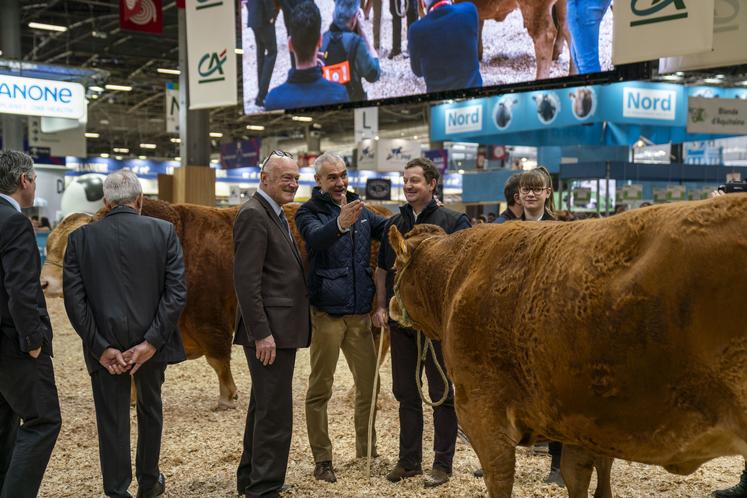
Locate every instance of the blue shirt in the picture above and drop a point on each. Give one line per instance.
(12, 201)
(443, 48)
(305, 88)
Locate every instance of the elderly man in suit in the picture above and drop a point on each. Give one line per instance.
(273, 321)
(125, 288)
(27, 386)
(261, 15)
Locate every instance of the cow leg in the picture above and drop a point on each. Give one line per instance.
(576, 465)
(228, 391)
(564, 35)
(538, 21)
(604, 470)
(479, 40)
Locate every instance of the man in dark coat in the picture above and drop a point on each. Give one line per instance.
(272, 322)
(27, 386)
(260, 17)
(420, 180)
(124, 287)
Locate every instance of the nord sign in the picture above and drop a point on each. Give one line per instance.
(649, 103)
(34, 97)
(464, 119)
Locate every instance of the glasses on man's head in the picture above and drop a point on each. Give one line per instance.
(534, 190)
(276, 152)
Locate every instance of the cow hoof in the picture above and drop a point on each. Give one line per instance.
(225, 404)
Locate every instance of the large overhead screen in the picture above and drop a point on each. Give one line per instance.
(509, 53)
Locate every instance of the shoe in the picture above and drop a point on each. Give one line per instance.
(323, 472)
(156, 490)
(394, 53)
(286, 488)
(399, 472)
(259, 102)
(436, 477)
(479, 473)
(738, 491)
(555, 478)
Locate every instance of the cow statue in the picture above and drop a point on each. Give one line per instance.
(206, 234)
(617, 335)
(545, 21)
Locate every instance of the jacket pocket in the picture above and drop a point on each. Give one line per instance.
(333, 287)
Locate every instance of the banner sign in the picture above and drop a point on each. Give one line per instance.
(211, 40)
(729, 40)
(240, 154)
(717, 116)
(141, 15)
(394, 154)
(35, 97)
(366, 121)
(171, 105)
(439, 157)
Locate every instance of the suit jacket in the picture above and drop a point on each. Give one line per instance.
(23, 310)
(260, 13)
(124, 282)
(269, 279)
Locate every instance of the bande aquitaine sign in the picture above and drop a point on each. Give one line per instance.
(650, 29)
(717, 116)
(35, 97)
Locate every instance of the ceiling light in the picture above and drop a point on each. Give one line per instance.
(742, 82)
(94, 96)
(91, 135)
(415, 137)
(255, 127)
(305, 119)
(104, 155)
(679, 73)
(175, 140)
(121, 88)
(147, 146)
(96, 88)
(121, 150)
(671, 77)
(216, 134)
(720, 76)
(47, 27)
(376, 137)
(177, 158)
(461, 171)
(1, 52)
(118, 158)
(213, 161)
(239, 51)
(712, 81)
(168, 71)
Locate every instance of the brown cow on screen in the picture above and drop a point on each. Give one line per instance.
(206, 235)
(617, 335)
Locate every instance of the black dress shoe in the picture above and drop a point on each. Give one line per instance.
(156, 490)
(323, 471)
(738, 491)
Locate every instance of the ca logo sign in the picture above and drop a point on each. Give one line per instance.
(210, 64)
(653, 11)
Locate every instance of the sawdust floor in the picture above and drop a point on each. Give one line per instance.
(201, 447)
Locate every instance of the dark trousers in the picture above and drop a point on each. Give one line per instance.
(28, 393)
(556, 450)
(267, 51)
(269, 425)
(111, 396)
(404, 359)
(412, 16)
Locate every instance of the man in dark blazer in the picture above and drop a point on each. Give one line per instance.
(273, 321)
(260, 17)
(124, 289)
(27, 386)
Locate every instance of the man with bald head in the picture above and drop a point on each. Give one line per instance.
(272, 322)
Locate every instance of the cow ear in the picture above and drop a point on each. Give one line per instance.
(397, 241)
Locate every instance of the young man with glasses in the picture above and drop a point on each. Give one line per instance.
(27, 386)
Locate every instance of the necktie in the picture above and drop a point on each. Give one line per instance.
(284, 224)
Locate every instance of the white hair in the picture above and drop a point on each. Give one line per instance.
(122, 187)
(327, 158)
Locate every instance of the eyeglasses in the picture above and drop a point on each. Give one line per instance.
(31, 178)
(276, 152)
(534, 190)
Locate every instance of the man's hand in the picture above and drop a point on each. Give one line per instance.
(380, 317)
(35, 353)
(349, 212)
(137, 355)
(266, 350)
(113, 361)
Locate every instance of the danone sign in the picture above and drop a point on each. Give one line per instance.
(651, 29)
(34, 97)
(211, 39)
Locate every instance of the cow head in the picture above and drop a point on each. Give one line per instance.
(51, 273)
(408, 305)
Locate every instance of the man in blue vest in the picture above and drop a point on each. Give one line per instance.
(443, 46)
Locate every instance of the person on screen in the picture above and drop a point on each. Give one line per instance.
(260, 18)
(347, 49)
(305, 86)
(584, 18)
(443, 46)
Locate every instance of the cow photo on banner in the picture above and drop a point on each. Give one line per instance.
(444, 45)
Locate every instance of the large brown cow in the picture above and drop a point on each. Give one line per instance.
(617, 335)
(545, 21)
(206, 235)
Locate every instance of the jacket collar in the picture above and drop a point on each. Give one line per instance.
(309, 75)
(121, 210)
(11, 202)
(409, 214)
(319, 196)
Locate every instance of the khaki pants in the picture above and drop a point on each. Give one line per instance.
(352, 334)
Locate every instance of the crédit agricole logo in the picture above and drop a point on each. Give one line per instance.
(654, 11)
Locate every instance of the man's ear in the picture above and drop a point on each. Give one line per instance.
(398, 243)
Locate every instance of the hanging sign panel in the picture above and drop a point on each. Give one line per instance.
(651, 29)
(35, 97)
(717, 116)
(211, 41)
